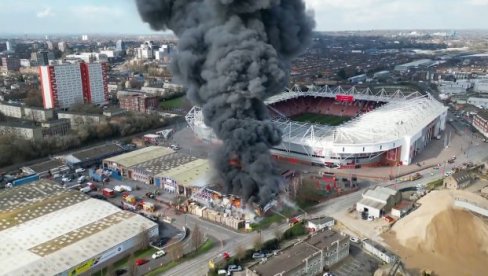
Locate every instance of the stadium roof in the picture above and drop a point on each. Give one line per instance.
(139, 156)
(46, 229)
(191, 174)
(384, 124)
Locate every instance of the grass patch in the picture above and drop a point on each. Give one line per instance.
(204, 248)
(434, 184)
(178, 102)
(330, 120)
(274, 218)
(144, 253)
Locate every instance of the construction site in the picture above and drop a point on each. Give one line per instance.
(446, 235)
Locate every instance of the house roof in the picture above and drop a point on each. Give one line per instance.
(321, 220)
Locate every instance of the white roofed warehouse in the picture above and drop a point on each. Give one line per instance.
(377, 128)
(54, 231)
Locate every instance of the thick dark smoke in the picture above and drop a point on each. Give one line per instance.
(233, 54)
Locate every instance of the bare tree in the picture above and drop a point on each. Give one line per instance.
(196, 237)
(110, 270)
(144, 238)
(175, 251)
(131, 264)
(258, 242)
(240, 252)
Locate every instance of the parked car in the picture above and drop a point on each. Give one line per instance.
(328, 274)
(258, 255)
(97, 196)
(121, 271)
(81, 179)
(66, 179)
(158, 254)
(233, 268)
(79, 170)
(222, 272)
(140, 262)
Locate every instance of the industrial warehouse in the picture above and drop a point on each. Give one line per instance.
(55, 231)
(171, 171)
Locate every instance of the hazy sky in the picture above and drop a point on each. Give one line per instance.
(120, 16)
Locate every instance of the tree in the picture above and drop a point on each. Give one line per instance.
(240, 252)
(278, 233)
(131, 264)
(144, 238)
(33, 98)
(110, 270)
(175, 251)
(196, 237)
(258, 242)
(342, 74)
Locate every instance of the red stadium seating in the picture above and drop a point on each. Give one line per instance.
(321, 105)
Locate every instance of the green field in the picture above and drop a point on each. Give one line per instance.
(178, 102)
(329, 120)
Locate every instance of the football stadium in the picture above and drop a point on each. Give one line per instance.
(348, 128)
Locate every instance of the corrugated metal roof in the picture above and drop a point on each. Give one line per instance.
(194, 173)
(139, 156)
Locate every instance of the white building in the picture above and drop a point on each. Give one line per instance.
(53, 231)
(146, 51)
(68, 84)
(481, 85)
(317, 224)
(378, 202)
(379, 251)
(11, 110)
(478, 102)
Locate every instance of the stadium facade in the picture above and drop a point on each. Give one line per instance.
(386, 128)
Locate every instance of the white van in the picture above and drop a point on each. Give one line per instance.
(126, 188)
(79, 170)
(86, 189)
(81, 179)
(119, 189)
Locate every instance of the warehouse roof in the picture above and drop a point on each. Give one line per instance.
(97, 151)
(53, 230)
(139, 156)
(194, 173)
(372, 203)
(164, 163)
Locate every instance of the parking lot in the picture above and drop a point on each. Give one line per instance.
(358, 263)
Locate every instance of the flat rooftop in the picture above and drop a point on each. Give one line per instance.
(97, 151)
(140, 156)
(192, 174)
(165, 163)
(294, 256)
(46, 166)
(53, 230)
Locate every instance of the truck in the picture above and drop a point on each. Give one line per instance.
(107, 192)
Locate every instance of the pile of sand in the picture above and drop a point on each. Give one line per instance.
(445, 235)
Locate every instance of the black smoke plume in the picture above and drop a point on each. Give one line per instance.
(233, 54)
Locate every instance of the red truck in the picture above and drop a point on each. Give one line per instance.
(108, 192)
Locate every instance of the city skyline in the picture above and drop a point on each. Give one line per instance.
(121, 17)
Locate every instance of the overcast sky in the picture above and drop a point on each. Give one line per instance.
(120, 16)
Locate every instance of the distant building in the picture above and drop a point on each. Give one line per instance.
(120, 46)
(54, 128)
(458, 180)
(42, 58)
(68, 84)
(62, 46)
(50, 45)
(357, 79)
(480, 122)
(146, 51)
(25, 62)
(480, 86)
(478, 102)
(422, 63)
(27, 131)
(139, 103)
(10, 46)
(38, 114)
(309, 257)
(78, 119)
(10, 64)
(84, 37)
(11, 110)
